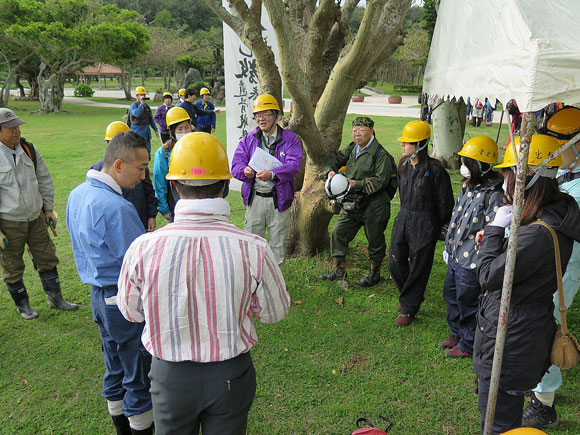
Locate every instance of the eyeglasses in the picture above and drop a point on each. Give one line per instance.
(262, 115)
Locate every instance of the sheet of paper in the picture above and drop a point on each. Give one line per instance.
(263, 161)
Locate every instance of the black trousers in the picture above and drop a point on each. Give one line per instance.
(204, 129)
(410, 269)
(509, 408)
(214, 396)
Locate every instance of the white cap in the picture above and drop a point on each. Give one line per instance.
(9, 119)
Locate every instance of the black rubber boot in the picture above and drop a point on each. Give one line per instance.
(20, 298)
(121, 424)
(374, 276)
(339, 271)
(51, 286)
(148, 431)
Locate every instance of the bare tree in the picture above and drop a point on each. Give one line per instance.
(321, 71)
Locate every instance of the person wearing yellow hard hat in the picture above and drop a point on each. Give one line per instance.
(268, 191)
(531, 324)
(160, 114)
(205, 123)
(562, 125)
(525, 431)
(181, 94)
(26, 213)
(179, 124)
(140, 118)
(142, 196)
(102, 225)
(426, 205)
(202, 281)
(192, 109)
(475, 207)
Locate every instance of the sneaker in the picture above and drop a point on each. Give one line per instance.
(449, 342)
(456, 352)
(539, 415)
(403, 320)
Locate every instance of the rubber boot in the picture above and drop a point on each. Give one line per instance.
(339, 271)
(20, 298)
(121, 424)
(148, 431)
(51, 286)
(374, 276)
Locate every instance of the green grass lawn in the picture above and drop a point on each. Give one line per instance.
(319, 370)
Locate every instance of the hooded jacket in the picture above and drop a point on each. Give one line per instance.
(531, 324)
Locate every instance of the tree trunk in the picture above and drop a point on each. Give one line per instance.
(51, 91)
(5, 91)
(20, 87)
(448, 131)
(125, 83)
(311, 214)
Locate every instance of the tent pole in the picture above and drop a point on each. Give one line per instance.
(529, 123)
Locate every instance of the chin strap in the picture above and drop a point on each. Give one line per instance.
(481, 169)
(414, 155)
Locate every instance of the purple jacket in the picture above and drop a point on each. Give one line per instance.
(159, 117)
(288, 151)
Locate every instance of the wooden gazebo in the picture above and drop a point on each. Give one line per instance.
(101, 72)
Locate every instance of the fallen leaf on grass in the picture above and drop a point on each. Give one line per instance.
(297, 302)
(334, 372)
(25, 386)
(340, 301)
(372, 296)
(343, 284)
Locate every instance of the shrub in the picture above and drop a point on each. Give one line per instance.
(83, 90)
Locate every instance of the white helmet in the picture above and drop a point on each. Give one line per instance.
(337, 186)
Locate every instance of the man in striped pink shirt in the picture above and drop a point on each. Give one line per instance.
(197, 283)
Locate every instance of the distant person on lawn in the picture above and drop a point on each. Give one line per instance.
(141, 117)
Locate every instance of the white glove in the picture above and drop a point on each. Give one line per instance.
(3, 242)
(503, 216)
(445, 256)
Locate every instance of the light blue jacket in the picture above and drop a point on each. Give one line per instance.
(102, 224)
(160, 170)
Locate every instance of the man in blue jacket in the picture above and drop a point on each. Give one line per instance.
(102, 225)
(205, 123)
(192, 109)
(141, 118)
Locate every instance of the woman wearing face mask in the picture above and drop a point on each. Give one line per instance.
(426, 205)
(475, 207)
(179, 124)
(531, 324)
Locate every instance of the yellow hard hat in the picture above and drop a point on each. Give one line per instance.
(140, 90)
(114, 128)
(525, 431)
(480, 148)
(198, 156)
(564, 124)
(265, 102)
(167, 94)
(415, 131)
(541, 147)
(204, 91)
(181, 91)
(175, 115)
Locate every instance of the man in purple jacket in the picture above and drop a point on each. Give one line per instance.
(268, 194)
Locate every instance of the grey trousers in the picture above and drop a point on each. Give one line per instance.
(214, 396)
(262, 215)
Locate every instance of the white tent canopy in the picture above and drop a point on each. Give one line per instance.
(528, 50)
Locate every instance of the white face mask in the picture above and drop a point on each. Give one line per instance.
(179, 135)
(504, 186)
(465, 172)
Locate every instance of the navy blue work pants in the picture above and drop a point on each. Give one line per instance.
(127, 362)
(509, 408)
(461, 292)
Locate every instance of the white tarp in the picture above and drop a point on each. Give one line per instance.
(242, 86)
(528, 50)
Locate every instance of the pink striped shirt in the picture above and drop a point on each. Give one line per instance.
(197, 283)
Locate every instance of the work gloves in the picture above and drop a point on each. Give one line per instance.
(503, 216)
(3, 242)
(51, 218)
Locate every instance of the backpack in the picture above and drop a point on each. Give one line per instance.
(371, 430)
(29, 150)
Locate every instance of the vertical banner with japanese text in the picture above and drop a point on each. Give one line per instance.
(242, 86)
